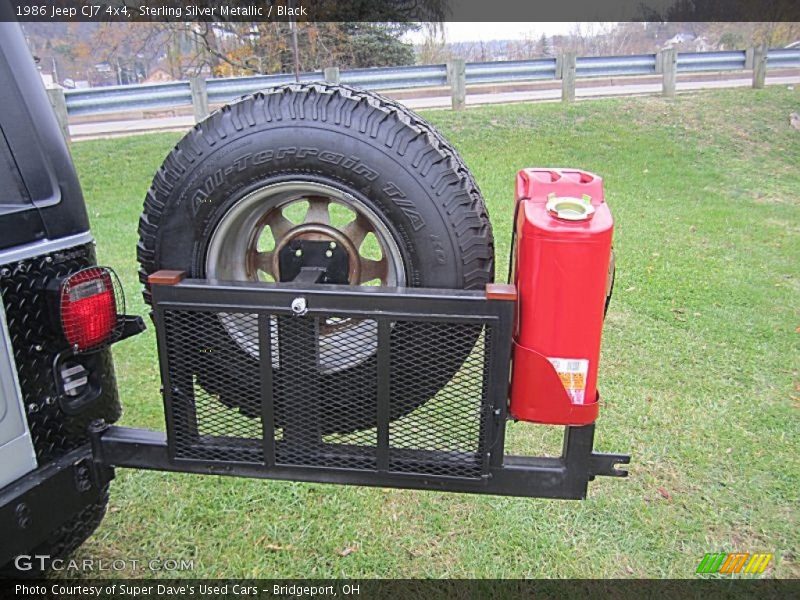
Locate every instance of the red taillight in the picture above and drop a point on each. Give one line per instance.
(89, 308)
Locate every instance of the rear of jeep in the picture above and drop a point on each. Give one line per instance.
(52, 496)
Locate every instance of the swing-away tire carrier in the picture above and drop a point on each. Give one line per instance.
(453, 442)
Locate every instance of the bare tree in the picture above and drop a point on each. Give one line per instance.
(433, 49)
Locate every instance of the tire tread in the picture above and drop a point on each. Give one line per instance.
(379, 117)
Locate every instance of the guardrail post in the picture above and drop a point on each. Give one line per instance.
(748, 58)
(457, 77)
(332, 75)
(669, 71)
(59, 104)
(569, 62)
(659, 63)
(759, 67)
(199, 97)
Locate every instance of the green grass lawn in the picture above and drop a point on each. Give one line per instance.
(700, 372)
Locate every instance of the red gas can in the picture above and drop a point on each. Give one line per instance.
(564, 230)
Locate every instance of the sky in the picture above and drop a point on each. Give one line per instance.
(484, 32)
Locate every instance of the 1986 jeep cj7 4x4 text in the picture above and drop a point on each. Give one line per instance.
(319, 264)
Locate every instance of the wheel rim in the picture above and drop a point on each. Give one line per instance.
(240, 251)
(246, 243)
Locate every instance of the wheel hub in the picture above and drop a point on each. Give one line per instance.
(315, 250)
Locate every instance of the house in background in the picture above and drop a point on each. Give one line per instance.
(689, 42)
(679, 39)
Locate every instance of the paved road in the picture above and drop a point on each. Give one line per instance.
(182, 123)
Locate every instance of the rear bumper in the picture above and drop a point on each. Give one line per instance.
(36, 505)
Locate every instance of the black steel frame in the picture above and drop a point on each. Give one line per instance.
(566, 476)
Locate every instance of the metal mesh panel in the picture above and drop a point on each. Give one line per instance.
(445, 435)
(312, 383)
(369, 393)
(216, 405)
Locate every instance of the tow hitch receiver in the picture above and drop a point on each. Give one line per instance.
(258, 381)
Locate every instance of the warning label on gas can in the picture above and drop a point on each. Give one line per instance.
(573, 372)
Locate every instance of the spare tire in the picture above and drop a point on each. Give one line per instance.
(318, 162)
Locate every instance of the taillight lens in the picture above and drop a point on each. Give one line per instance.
(89, 308)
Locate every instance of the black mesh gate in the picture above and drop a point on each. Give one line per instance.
(394, 387)
(368, 381)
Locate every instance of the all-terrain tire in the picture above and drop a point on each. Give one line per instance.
(370, 147)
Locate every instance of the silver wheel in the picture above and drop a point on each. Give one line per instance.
(246, 243)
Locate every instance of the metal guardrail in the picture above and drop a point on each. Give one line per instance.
(385, 78)
(606, 66)
(128, 97)
(784, 57)
(516, 70)
(735, 60)
(222, 90)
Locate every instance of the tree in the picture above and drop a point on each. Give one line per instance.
(544, 47)
(376, 45)
(128, 51)
(433, 49)
(777, 33)
(265, 47)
